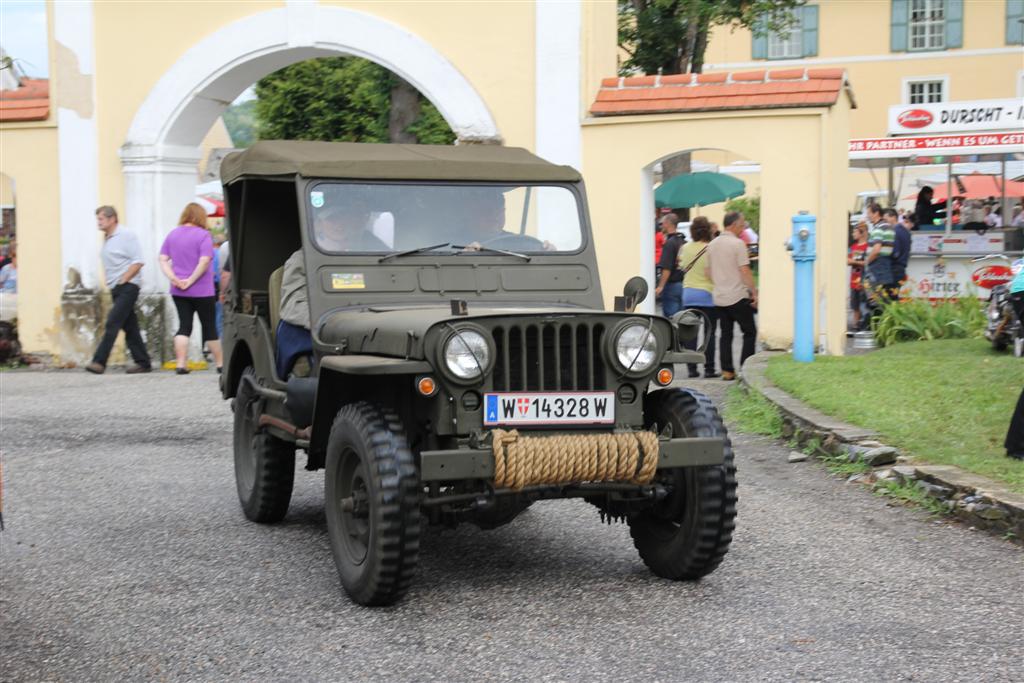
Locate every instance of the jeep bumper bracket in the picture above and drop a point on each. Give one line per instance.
(468, 463)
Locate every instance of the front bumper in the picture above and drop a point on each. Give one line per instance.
(478, 463)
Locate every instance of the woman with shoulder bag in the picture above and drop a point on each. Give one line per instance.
(693, 261)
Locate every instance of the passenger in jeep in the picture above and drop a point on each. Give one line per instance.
(346, 228)
(341, 228)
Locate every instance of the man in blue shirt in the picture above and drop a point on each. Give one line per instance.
(122, 263)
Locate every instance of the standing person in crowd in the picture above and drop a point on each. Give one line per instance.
(670, 285)
(8, 252)
(734, 291)
(693, 261)
(1015, 434)
(9, 273)
(122, 265)
(992, 218)
(218, 271)
(900, 247)
(855, 259)
(925, 212)
(185, 258)
(225, 273)
(880, 279)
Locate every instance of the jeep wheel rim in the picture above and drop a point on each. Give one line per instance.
(354, 505)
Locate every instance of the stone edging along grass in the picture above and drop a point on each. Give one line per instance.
(979, 501)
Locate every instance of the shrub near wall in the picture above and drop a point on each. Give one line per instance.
(922, 320)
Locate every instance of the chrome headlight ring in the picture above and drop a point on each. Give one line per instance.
(635, 349)
(465, 354)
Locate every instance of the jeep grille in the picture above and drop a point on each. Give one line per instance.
(552, 356)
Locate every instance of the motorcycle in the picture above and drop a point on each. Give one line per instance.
(1003, 327)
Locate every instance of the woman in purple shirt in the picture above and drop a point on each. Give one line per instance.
(185, 259)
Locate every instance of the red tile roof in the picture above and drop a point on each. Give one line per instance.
(30, 102)
(720, 91)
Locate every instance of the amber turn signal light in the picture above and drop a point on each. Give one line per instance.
(665, 376)
(426, 386)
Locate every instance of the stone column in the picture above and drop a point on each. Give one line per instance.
(159, 181)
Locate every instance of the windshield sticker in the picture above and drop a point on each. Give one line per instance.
(317, 199)
(348, 281)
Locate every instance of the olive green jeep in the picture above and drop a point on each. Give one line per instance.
(426, 323)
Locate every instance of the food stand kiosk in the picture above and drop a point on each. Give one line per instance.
(957, 136)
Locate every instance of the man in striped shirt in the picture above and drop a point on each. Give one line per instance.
(881, 277)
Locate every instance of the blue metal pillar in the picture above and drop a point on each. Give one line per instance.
(802, 246)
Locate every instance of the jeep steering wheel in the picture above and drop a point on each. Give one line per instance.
(509, 240)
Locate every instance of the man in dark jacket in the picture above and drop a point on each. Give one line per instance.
(900, 246)
(925, 212)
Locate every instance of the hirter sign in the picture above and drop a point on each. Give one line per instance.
(949, 117)
(914, 118)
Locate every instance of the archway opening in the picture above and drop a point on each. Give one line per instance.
(164, 145)
(690, 192)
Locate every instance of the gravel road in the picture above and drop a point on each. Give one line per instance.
(126, 557)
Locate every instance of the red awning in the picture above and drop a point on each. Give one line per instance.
(977, 186)
(212, 205)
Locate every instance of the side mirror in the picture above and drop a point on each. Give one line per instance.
(688, 324)
(633, 294)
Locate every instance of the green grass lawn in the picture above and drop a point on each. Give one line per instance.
(944, 402)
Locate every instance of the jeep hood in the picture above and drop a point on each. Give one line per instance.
(399, 331)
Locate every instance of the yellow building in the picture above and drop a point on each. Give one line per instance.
(894, 52)
(136, 88)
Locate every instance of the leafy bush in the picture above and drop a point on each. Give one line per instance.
(750, 207)
(922, 320)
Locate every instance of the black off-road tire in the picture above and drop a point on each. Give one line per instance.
(264, 464)
(686, 536)
(372, 498)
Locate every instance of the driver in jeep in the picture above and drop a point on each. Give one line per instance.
(485, 208)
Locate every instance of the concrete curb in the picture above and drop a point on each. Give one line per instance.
(979, 501)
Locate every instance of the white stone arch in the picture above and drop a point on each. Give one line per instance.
(161, 151)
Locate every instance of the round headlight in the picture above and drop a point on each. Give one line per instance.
(467, 354)
(636, 348)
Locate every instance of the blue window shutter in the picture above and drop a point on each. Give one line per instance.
(954, 23)
(759, 49)
(1014, 17)
(898, 26)
(809, 26)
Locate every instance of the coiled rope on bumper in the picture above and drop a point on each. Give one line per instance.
(521, 461)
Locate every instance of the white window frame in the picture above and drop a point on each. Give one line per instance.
(789, 43)
(911, 80)
(928, 25)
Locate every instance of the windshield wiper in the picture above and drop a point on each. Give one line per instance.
(464, 249)
(417, 250)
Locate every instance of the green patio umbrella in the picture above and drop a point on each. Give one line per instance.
(697, 189)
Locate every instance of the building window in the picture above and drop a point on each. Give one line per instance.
(925, 92)
(927, 24)
(797, 40)
(788, 42)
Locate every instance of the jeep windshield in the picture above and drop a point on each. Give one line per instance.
(381, 218)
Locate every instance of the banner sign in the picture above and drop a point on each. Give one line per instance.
(931, 145)
(949, 117)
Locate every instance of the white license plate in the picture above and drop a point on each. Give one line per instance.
(546, 408)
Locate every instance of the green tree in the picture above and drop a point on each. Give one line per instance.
(240, 120)
(671, 36)
(750, 207)
(345, 99)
